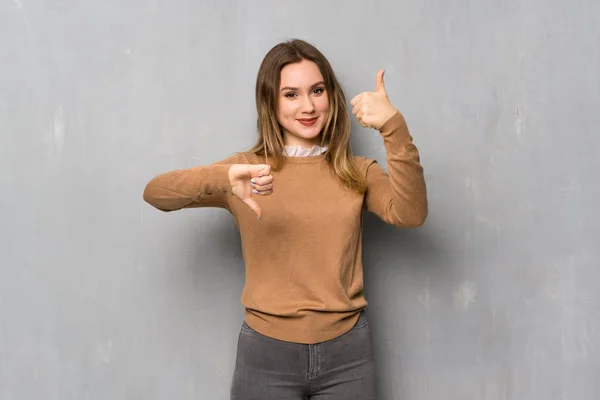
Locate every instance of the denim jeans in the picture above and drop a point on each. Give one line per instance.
(337, 369)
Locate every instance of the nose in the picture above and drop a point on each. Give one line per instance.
(307, 105)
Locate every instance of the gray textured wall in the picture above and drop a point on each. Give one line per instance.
(102, 297)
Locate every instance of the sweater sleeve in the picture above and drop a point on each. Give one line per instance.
(399, 198)
(201, 186)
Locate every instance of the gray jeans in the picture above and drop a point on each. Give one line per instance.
(338, 369)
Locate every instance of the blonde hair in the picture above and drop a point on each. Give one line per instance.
(336, 131)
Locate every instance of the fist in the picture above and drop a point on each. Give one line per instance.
(251, 179)
(373, 109)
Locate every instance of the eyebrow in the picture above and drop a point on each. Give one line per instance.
(294, 88)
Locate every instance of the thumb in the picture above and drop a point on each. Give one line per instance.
(254, 206)
(380, 85)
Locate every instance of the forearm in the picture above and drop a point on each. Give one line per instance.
(403, 198)
(203, 186)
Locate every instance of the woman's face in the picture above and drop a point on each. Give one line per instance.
(303, 105)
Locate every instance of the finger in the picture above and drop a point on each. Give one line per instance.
(254, 206)
(380, 85)
(265, 171)
(262, 181)
(361, 109)
(356, 99)
(260, 170)
(262, 188)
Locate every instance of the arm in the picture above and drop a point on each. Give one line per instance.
(400, 198)
(202, 186)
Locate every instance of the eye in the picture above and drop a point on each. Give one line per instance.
(290, 95)
(319, 90)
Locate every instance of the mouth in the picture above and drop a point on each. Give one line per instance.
(307, 121)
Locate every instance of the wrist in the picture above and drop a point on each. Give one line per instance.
(230, 174)
(388, 115)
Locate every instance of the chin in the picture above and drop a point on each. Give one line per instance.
(311, 136)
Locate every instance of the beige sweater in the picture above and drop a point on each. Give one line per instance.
(304, 277)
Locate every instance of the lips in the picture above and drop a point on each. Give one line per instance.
(307, 121)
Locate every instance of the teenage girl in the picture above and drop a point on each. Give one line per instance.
(297, 198)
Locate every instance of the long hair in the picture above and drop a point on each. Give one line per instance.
(336, 131)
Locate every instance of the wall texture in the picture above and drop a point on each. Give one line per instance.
(497, 297)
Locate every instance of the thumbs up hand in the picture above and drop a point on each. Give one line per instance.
(248, 179)
(373, 109)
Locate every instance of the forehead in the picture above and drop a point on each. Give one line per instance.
(303, 73)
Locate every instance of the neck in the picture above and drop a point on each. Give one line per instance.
(290, 140)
